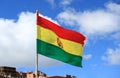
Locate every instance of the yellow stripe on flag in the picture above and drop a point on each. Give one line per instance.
(50, 37)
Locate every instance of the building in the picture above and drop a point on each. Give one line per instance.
(32, 75)
(1, 77)
(22, 74)
(10, 72)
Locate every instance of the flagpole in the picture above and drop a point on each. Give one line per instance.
(36, 65)
(36, 74)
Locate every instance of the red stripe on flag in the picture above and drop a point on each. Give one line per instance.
(61, 32)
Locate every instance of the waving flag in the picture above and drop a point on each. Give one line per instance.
(59, 43)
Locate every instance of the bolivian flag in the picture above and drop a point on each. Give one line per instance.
(59, 43)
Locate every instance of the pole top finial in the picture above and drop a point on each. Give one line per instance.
(37, 13)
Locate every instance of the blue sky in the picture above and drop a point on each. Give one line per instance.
(98, 20)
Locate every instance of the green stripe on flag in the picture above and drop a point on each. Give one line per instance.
(55, 52)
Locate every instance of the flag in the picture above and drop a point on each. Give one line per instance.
(59, 43)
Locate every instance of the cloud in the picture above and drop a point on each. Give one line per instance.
(98, 22)
(62, 3)
(113, 7)
(87, 56)
(112, 56)
(52, 2)
(116, 36)
(18, 42)
(66, 2)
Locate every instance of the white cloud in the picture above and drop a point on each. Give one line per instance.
(18, 42)
(66, 2)
(87, 56)
(112, 56)
(52, 2)
(116, 36)
(92, 23)
(63, 3)
(47, 62)
(113, 7)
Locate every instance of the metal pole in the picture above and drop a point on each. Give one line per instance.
(36, 74)
(36, 65)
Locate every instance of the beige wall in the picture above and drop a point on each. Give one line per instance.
(30, 75)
